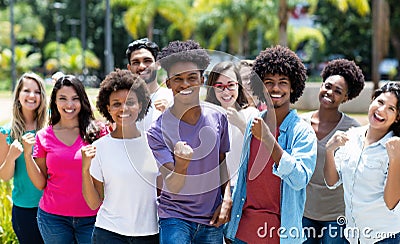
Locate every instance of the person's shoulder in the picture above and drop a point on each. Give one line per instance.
(298, 124)
(350, 121)
(45, 130)
(307, 115)
(5, 129)
(212, 109)
(250, 111)
(102, 141)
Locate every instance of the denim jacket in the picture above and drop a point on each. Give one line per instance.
(295, 169)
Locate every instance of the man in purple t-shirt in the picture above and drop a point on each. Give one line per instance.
(189, 141)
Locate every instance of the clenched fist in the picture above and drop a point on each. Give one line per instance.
(183, 154)
(88, 153)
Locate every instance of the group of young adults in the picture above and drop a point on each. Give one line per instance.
(240, 167)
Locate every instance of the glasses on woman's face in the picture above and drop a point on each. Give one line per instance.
(231, 86)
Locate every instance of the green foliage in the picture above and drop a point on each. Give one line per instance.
(347, 34)
(28, 26)
(25, 60)
(68, 57)
(7, 234)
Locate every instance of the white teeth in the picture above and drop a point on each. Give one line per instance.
(379, 117)
(69, 110)
(186, 92)
(227, 98)
(124, 115)
(327, 99)
(31, 101)
(275, 96)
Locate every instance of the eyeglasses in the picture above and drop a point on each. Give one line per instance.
(142, 43)
(232, 86)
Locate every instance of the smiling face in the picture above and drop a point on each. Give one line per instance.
(333, 92)
(124, 107)
(383, 111)
(142, 63)
(279, 89)
(185, 80)
(68, 103)
(29, 95)
(226, 89)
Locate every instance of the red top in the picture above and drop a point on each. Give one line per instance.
(261, 212)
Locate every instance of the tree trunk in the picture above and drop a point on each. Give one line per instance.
(283, 20)
(379, 19)
(150, 29)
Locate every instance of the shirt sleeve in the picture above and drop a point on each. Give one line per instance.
(225, 144)
(158, 146)
(340, 156)
(95, 167)
(6, 130)
(296, 167)
(39, 149)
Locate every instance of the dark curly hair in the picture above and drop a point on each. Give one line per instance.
(394, 88)
(184, 51)
(282, 61)
(122, 80)
(89, 129)
(351, 73)
(139, 44)
(218, 69)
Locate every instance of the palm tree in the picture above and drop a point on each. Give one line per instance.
(71, 61)
(361, 6)
(140, 15)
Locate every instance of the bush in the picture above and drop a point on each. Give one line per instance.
(7, 234)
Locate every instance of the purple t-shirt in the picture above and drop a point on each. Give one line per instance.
(201, 194)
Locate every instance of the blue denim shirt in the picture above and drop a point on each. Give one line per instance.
(295, 169)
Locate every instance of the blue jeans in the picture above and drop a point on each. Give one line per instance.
(102, 236)
(179, 231)
(56, 229)
(25, 225)
(391, 240)
(326, 232)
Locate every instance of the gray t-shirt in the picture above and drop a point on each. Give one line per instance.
(323, 204)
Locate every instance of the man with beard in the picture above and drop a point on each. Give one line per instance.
(141, 55)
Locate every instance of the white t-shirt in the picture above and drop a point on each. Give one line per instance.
(128, 171)
(236, 140)
(153, 114)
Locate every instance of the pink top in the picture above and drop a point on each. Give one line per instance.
(63, 192)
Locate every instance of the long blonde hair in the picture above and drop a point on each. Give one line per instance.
(18, 126)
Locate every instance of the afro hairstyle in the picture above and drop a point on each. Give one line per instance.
(184, 51)
(351, 73)
(279, 60)
(122, 80)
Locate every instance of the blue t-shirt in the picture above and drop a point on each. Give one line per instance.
(24, 193)
(201, 194)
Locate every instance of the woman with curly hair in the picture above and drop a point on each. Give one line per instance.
(366, 161)
(119, 171)
(342, 80)
(56, 164)
(224, 88)
(29, 116)
(278, 157)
